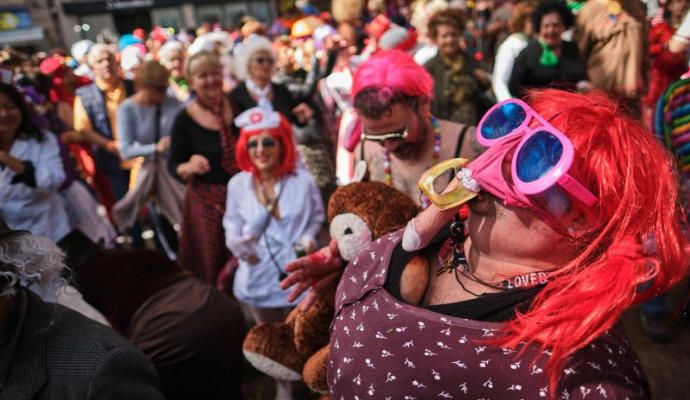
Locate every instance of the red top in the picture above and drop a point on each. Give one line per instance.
(666, 67)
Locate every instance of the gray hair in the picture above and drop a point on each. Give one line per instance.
(97, 49)
(250, 46)
(27, 259)
(166, 52)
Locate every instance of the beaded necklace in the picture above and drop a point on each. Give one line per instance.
(435, 156)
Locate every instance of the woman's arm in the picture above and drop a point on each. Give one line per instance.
(503, 67)
(45, 172)
(180, 147)
(233, 222)
(680, 40)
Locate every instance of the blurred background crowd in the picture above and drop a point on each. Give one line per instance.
(118, 150)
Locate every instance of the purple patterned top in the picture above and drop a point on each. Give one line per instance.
(382, 348)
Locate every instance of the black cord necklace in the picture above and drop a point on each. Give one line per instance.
(452, 258)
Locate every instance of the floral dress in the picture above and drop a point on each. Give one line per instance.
(383, 348)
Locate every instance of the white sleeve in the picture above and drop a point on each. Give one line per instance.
(316, 214)
(503, 67)
(48, 168)
(683, 32)
(233, 222)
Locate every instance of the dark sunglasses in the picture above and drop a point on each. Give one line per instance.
(264, 60)
(266, 143)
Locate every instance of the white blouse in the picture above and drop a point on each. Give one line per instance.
(301, 218)
(503, 66)
(39, 210)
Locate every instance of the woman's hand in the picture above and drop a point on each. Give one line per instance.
(163, 145)
(319, 271)
(197, 165)
(71, 136)
(253, 259)
(111, 147)
(11, 162)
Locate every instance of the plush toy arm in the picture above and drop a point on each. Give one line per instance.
(316, 271)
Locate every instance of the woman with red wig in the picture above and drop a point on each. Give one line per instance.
(273, 214)
(574, 218)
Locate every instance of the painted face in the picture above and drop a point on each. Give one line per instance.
(206, 79)
(261, 65)
(402, 126)
(447, 39)
(551, 29)
(104, 66)
(264, 152)
(10, 117)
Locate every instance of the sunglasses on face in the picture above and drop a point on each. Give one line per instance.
(539, 166)
(381, 138)
(264, 60)
(543, 156)
(266, 143)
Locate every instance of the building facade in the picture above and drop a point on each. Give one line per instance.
(52, 23)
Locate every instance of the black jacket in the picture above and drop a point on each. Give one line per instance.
(529, 74)
(62, 355)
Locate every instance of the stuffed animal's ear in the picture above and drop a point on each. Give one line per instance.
(351, 233)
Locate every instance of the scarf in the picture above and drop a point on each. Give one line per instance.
(260, 94)
(461, 85)
(548, 57)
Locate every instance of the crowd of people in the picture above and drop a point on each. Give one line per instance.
(161, 183)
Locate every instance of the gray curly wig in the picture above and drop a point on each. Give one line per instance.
(27, 259)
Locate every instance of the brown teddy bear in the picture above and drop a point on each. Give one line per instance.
(298, 348)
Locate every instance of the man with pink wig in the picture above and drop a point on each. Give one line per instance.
(400, 138)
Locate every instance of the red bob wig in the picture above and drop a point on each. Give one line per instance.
(282, 133)
(632, 246)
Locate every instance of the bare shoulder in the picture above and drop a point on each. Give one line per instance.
(451, 133)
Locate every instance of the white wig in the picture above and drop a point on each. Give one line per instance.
(30, 260)
(250, 46)
(167, 51)
(96, 50)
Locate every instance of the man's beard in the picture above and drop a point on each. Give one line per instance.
(412, 150)
(407, 151)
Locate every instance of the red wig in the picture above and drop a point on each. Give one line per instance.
(396, 70)
(630, 239)
(283, 134)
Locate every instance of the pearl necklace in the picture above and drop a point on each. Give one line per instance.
(435, 156)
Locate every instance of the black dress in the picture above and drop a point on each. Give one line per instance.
(529, 74)
(282, 100)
